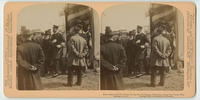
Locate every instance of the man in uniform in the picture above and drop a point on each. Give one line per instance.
(58, 42)
(161, 50)
(113, 58)
(76, 58)
(141, 41)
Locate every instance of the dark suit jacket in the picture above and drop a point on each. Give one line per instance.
(56, 52)
(140, 52)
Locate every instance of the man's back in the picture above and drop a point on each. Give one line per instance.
(162, 43)
(113, 53)
(31, 52)
(162, 50)
(77, 50)
(78, 42)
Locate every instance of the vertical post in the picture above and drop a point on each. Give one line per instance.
(151, 23)
(92, 35)
(150, 18)
(66, 11)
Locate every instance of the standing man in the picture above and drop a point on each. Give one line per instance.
(113, 59)
(147, 54)
(161, 50)
(57, 41)
(30, 58)
(46, 48)
(141, 41)
(131, 52)
(76, 59)
(172, 39)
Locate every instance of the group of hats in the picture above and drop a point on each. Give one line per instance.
(108, 31)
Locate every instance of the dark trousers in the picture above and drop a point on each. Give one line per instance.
(63, 66)
(131, 65)
(162, 72)
(147, 65)
(55, 65)
(139, 66)
(77, 70)
(46, 67)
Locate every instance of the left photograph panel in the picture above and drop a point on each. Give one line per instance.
(57, 48)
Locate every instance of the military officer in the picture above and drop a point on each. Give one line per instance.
(57, 41)
(141, 41)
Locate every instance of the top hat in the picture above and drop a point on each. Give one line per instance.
(108, 31)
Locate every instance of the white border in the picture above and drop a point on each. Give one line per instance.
(196, 97)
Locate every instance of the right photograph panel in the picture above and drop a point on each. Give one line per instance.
(142, 48)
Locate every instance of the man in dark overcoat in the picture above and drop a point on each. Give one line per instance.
(161, 50)
(46, 47)
(30, 58)
(57, 41)
(113, 58)
(131, 52)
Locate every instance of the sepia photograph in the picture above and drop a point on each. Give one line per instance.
(99, 49)
(57, 48)
(142, 48)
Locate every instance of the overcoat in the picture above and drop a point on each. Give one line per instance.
(131, 52)
(29, 54)
(112, 54)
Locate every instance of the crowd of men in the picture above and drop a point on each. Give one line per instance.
(49, 54)
(137, 55)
